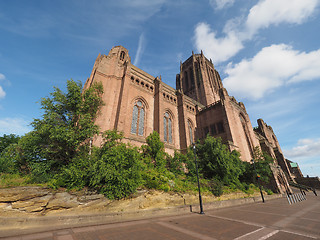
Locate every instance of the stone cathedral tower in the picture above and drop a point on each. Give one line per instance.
(199, 80)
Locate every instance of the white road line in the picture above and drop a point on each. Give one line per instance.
(300, 234)
(249, 233)
(235, 220)
(269, 235)
(259, 234)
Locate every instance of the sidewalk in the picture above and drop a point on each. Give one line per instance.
(275, 219)
(22, 226)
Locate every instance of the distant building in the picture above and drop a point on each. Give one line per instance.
(294, 169)
(137, 104)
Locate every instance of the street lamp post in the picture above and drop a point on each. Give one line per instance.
(195, 160)
(258, 179)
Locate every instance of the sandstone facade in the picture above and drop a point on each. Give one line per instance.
(137, 104)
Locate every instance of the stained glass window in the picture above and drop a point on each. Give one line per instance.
(167, 128)
(190, 133)
(170, 130)
(141, 122)
(137, 124)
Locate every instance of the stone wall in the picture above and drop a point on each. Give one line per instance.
(313, 182)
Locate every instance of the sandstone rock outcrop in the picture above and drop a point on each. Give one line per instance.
(37, 201)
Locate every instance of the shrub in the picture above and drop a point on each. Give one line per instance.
(116, 172)
(217, 162)
(216, 187)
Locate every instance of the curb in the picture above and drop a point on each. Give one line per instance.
(17, 226)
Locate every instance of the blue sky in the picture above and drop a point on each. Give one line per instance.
(267, 53)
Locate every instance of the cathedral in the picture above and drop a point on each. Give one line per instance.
(137, 103)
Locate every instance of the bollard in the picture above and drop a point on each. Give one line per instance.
(288, 199)
(292, 199)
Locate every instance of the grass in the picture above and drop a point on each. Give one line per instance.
(15, 180)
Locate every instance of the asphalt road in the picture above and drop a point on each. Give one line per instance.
(274, 219)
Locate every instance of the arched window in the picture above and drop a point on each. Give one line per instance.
(167, 128)
(137, 125)
(122, 54)
(190, 132)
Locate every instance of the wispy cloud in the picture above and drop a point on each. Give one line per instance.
(141, 47)
(101, 19)
(17, 126)
(272, 67)
(2, 92)
(238, 30)
(304, 148)
(220, 4)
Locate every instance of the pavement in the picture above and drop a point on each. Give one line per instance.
(274, 219)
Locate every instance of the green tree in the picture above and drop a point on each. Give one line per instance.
(21, 154)
(8, 159)
(153, 152)
(217, 162)
(67, 122)
(262, 164)
(7, 140)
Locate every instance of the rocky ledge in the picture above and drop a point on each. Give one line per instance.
(39, 201)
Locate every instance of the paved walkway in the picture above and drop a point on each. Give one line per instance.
(274, 219)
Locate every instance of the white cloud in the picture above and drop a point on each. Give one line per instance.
(2, 92)
(304, 148)
(238, 30)
(219, 49)
(220, 4)
(17, 126)
(268, 12)
(270, 68)
(141, 46)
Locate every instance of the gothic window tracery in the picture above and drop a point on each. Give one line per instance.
(167, 128)
(190, 132)
(138, 115)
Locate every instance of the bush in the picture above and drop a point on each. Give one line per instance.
(269, 192)
(217, 162)
(176, 164)
(113, 170)
(153, 179)
(116, 172)
(216, 187)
